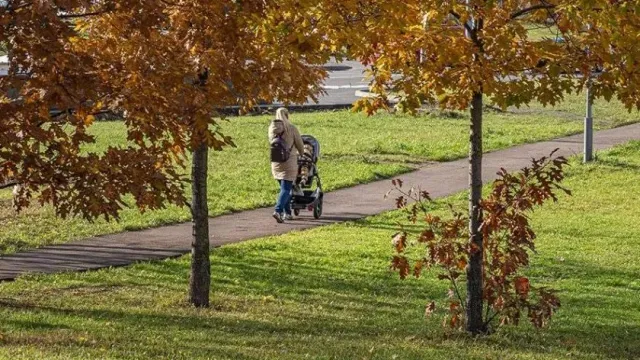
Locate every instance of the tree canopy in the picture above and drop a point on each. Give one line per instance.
(461, 54)
(489, 47)
(169, 67)
(70, 60)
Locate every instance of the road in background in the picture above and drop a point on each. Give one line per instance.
(344, 80)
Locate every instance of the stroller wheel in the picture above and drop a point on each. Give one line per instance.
(317, 210)
(296, 212)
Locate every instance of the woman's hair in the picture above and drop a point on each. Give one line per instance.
(282, 114)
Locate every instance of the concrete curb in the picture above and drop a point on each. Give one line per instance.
(271, 108)
(369, 94)
(234, 111)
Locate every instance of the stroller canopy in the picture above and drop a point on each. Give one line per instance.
(308, 139)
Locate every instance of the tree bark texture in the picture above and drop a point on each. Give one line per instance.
(474, 306)
(200, 279)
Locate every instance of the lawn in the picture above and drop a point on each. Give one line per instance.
(355, 149)
(327, 293)
(541, 31)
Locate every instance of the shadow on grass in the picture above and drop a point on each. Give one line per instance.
(355, 301)
(617, 164)
(12, 245)
(393, 227)
(604, 333)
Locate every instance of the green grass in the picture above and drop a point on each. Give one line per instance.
(540, 32)
(355, 149)
(327, 293)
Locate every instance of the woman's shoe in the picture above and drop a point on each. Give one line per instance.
(278, 217)
(288, 217)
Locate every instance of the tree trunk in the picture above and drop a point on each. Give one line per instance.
(200, 279)
(475, 322)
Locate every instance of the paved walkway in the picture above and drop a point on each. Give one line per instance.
(348, 204)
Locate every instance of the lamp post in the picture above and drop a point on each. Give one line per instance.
(588, 119)
(588, 126)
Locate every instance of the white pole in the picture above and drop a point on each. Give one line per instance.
(425, 26)
(588, 120)
(471, 22)
(588, 127)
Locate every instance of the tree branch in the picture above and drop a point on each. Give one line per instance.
(74, 16)
(457, 16)
(531, 9)
(21, 6)
(490, 319)
(455, 286)
(8, 184)
(472, 32)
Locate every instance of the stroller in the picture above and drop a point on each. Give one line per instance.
(305, 196)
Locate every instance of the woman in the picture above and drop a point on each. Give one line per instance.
(285, 172)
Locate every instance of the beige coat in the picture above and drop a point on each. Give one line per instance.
(286, 170)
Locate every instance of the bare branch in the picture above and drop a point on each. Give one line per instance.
(488, 318)
(8, 184)
(472, 32)
(458, 295)
(522, 12)
(457, 16)
(21, 6)
(74, 16)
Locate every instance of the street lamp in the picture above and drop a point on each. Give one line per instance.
(588, 126)
(588, 120)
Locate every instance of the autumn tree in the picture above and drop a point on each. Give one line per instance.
(508, 239)
(476, 51)
(168, 67)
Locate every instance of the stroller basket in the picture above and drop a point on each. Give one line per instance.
(302, 201)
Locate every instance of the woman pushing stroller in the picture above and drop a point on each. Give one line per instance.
(286, 144)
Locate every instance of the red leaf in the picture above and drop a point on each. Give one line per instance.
(400, 264)
(401, 202)
(427, 235)
(522, 286)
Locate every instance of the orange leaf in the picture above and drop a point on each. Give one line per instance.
(462, 263)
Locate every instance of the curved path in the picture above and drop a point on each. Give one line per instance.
(357, 202)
